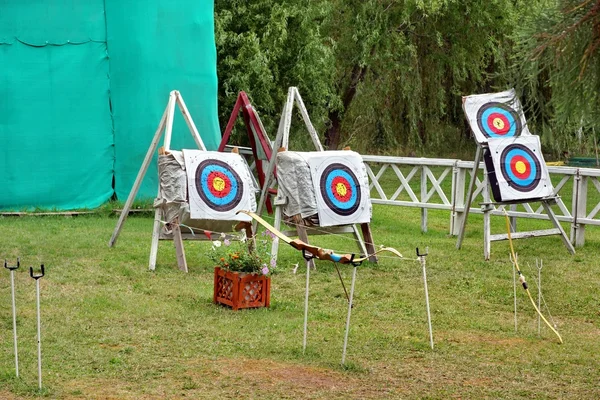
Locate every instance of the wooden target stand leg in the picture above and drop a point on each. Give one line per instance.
(165, 126)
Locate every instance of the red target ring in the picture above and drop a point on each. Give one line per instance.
(218, 184)
(498, 124)
(341, 189)
(519, 167)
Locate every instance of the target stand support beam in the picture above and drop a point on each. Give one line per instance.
(547, 202)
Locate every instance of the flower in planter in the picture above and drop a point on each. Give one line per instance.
(234, 255)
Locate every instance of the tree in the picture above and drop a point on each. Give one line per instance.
(381, 75)
(265, 46)
(402, 67)
(557, 66)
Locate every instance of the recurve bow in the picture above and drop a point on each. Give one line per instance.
(315, 251)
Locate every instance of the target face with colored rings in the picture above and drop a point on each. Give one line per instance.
(520, 167)
(497, 120)
(340, 189)
(218, 185)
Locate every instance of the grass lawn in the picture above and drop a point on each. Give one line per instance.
(112, 329)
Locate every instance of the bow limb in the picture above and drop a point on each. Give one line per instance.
(524, 283)
(268, 226)
(381, 250)
(317, 252)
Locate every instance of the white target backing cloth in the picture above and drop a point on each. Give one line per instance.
(519, 168)
(219, 185)
(495, 115)
(341, 187)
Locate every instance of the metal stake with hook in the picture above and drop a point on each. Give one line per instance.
(422, 260)
(14, 309)
(39, 335)
(355, 266)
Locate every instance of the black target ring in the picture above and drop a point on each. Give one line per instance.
(218, 185)
(498, 120)
(521, 167)
(340, 189)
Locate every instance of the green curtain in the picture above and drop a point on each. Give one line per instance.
(82, 90)
(155, 47)
(55, 125)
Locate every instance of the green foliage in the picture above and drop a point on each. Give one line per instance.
(423, 57)
(391, 71)
(236, 255)
(387, 76)
(264, 47)
(557, 66)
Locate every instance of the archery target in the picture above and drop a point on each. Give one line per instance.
(495, 115)
(218, 185)
(519, 168)
(341, 187)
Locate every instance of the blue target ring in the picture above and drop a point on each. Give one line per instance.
(520, 167)
(340, 189)
(498, 120)
(218, 185)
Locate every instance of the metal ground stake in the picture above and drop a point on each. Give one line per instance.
(14, 310)
(39, 334)
(349, 313)
(422, 260)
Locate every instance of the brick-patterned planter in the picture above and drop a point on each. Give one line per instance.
(240, 290)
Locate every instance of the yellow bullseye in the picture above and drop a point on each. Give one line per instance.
(498, 123)
(520, 167)
(341, 189)
(218, 184)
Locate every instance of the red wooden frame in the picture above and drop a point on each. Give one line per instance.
(251, 121)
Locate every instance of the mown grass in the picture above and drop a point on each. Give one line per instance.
(113, 329)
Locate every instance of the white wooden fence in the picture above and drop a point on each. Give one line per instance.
(423, 183)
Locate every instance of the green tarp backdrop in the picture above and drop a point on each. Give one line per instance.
(83, 86)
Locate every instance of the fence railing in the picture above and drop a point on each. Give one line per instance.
(433, 183)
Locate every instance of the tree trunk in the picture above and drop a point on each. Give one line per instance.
(333, 133)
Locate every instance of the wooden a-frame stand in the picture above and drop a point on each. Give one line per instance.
(257, 136)
(165, 126)
(282, 141)
(488, 206)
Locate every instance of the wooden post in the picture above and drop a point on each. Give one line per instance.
(368, 240)
(459, 176)
(279, 139)
(461, 232)
(179, 250)
(155, 236)
(423, 195)
(301, 230)
(579, 208)
(487, 208)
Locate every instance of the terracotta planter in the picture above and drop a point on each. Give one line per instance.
(240, 290)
